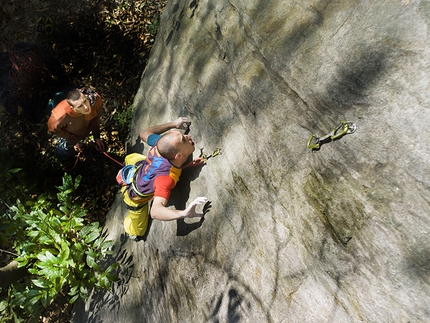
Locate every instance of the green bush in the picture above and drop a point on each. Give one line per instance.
(60, 252)
(153, 27)
(124, 117)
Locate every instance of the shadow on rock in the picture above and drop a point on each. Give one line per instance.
(358, 74)
(179, 197)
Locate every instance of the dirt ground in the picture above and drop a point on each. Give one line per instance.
(104, 44)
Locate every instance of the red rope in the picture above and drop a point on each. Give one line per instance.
(104, 153)
(121, 164)
(76, 162)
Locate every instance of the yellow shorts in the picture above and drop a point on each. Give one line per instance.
(136, 221)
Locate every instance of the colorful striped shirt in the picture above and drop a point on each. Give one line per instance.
(157, 175)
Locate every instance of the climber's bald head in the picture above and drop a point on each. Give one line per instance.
(168, 145)
(174, 144)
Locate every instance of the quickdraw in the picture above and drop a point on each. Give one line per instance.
(345, 127)
(206, 157)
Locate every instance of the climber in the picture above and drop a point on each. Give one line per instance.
(73, 119)
(156, 175)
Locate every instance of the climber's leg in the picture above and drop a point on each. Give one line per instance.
(136, 221)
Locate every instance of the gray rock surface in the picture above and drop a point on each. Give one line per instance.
(339, 234)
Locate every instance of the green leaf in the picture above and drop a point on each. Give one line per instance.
(112, 278)
(104, 282)
(74, 298)
(85, 230)
(107, 244)
(91, 262)
(78, 246)
(22, 261)
(112, 268)
(16, 319)
(74, 290)
(65, 252)
(92, 236)
(41, 283)
(45, 299)
(3, 305)
(46, 257)
(33, 234)
(82, 290)
(46, 240)
(34, 296)
(19, 298)
(76, 223)
(77, 181)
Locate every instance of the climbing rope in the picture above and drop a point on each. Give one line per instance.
(111, 158)
(79, 155)
(345, 127)
(75, 163)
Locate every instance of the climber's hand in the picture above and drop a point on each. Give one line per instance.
(190, 211)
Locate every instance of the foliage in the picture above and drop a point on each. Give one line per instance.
(60, 252)
(124, 118)
(10, 190)
(153, 26)
(105, 44)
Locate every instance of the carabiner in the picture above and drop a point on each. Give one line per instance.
(206, 157)
(347, 128)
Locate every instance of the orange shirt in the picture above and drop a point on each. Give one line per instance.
(72, 126)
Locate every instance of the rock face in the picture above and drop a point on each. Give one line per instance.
(339, 234)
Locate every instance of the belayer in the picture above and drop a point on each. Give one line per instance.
(74, 119)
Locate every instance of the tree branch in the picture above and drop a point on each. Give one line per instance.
(11, 273)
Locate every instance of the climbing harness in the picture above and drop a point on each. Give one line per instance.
(206, 157)
(127, 177)
(345, 127)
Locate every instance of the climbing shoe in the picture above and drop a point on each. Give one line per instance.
(135, 238)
